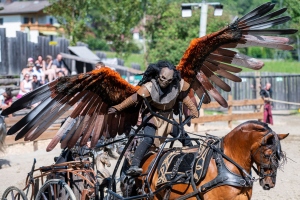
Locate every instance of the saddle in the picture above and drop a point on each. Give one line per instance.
(181, 164)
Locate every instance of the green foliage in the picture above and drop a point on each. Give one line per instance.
(113, 21)
(259, 52)
(72, 15)
(132, 58)
(169, 34)
(97, 44)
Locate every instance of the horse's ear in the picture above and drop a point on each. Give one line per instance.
(282, 136)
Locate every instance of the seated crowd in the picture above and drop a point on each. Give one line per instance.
(35, 74)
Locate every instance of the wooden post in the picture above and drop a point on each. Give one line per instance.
(35, 145)
(73, 67)
(230, 110)
(257, 86)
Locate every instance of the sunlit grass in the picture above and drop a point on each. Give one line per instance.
(133, 58)
(292, 67)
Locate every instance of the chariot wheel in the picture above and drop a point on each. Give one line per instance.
(13, 193)
(55, 189)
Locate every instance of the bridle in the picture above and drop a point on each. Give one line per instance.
(273, 159)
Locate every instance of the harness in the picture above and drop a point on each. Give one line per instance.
(225, 176)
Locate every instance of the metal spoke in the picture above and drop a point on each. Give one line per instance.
(12, 195)
(44, 196)
(52, 192)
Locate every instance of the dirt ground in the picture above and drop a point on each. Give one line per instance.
(16, 162)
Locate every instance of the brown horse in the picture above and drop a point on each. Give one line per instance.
(249, 143)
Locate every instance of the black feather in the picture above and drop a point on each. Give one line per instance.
(35, 120)
(265, 18)
(269, 23)
(262, 12)
(256, 11)
(28, 99)
(27, 118)
(270, 32)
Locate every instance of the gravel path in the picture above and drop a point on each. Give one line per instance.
(17, 161)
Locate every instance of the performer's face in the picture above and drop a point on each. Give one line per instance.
(165, 77)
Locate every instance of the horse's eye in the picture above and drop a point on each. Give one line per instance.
(269, 141)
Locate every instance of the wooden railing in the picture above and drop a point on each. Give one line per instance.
(232, 116)
(48, 134)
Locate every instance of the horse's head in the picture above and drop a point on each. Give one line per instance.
(104, 158)
(267, 154)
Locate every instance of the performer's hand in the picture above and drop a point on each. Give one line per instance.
(112, 110)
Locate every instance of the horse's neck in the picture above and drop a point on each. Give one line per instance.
(238, 148)
(101, 168)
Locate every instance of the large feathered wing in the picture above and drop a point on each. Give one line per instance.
(209, 56)
(89, 96)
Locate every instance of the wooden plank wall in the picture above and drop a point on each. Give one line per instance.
(16, 51)
(286, 87)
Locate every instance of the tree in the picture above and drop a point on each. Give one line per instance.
(114, 20)
(169, 34)
(73, 17)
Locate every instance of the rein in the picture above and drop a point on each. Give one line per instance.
(275, 148)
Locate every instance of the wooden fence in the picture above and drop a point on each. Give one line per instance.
(16, 50)
(285, 87)
(257, 113)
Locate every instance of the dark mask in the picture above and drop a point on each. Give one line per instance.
(165, 77)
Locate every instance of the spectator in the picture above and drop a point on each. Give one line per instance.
(266, 93)
(60, 74)
(59, 65)
(28, 70)
(38, 71)
(7, 98)
(49, 70)
(99, 65)
(35, 82)
(30, 60)
(25, 86)
(40, 62)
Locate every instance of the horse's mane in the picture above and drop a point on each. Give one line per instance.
(264, 125)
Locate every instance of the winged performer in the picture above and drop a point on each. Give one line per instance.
(107, 105)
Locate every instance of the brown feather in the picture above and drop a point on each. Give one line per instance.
(91, 125)
(91, 118)
(199, 90)
(121, 124)
(200, 48)
(84, 119)
(69, 135)
(215, 79)
(210, 88)
(219, 69)
(113, 130)
(99, 124)
(260, 41)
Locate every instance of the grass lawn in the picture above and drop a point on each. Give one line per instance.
(292, 67)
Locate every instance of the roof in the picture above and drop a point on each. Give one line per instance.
(83, 52)
(20, 7)
(82, 59)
